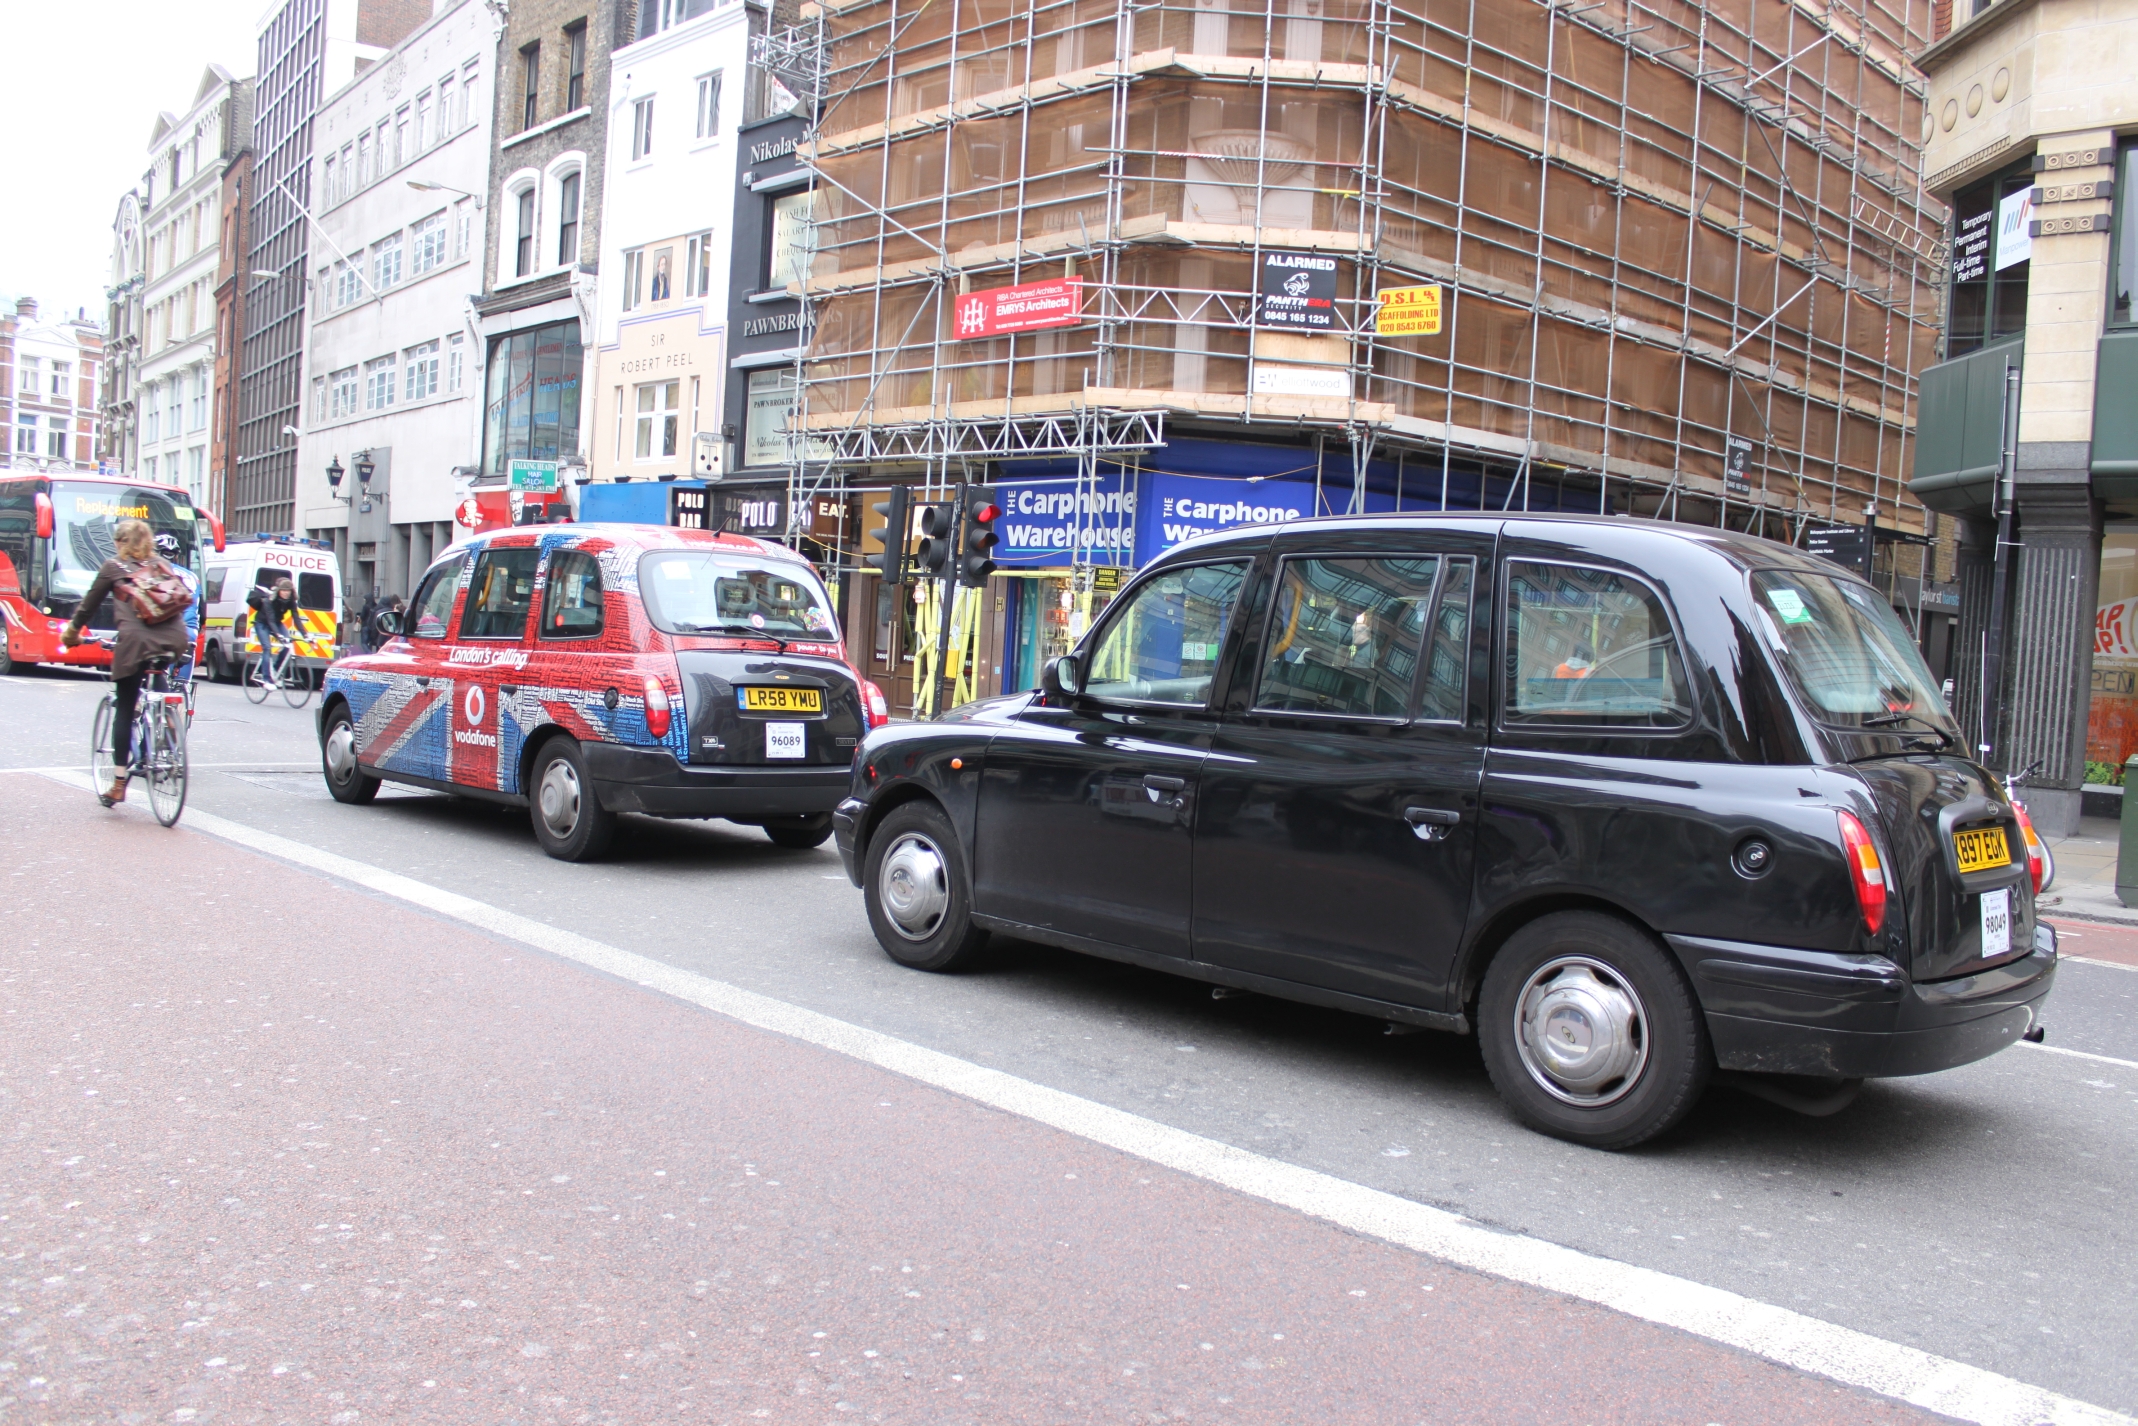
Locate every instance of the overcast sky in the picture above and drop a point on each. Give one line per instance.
(81, 98)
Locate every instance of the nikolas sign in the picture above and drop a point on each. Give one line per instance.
(1027, 307)
(1297, 290)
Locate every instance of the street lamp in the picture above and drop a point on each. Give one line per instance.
(424, 185)
(364, 467)
(334, 474)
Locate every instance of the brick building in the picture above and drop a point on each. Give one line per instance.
(49, 372)
(544, 228)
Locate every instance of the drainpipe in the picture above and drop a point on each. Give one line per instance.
(2001, 576)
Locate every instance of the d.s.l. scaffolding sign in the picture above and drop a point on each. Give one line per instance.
(1408, 312)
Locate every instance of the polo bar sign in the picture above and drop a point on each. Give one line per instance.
(1298, 290)
(1027, 307)
(751, 512)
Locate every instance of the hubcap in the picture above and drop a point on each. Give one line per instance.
(915, 886)
(341, 752)
(1582, 1031)
(560, 798)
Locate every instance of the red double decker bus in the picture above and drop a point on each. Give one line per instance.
(55, 533)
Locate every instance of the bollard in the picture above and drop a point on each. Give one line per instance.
(2127, 838)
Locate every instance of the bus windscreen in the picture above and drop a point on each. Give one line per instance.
(84, 513)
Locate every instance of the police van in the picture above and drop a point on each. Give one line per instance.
(241, 565)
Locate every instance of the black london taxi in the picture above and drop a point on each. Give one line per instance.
(1636, 803)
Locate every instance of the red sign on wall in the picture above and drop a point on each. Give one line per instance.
(1027, 307)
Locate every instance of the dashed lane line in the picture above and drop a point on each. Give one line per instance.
(1957, 1390)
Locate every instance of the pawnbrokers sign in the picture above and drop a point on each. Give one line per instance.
(1027, 307)
(1298, 290)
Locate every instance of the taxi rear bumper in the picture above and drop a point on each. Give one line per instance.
(651, 781)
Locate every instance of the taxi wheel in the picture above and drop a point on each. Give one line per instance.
(569, 820)
(799, 834)
(1590, 1031)
(919, 902)
(337, 759)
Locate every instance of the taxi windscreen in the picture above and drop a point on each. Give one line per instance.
(708, 592)
(1847, 653)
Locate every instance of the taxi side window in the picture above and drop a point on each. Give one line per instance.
(1345, 634)
(1447, 658)
(1163, 647)
(1587, 647)
(571, 605)
(501, 594)
(432, 607)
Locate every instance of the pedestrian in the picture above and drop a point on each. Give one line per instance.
(367, 637)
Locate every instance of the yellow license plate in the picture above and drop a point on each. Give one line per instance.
(782, 700)
(1982, 848)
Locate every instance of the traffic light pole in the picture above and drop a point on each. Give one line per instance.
(945, 681)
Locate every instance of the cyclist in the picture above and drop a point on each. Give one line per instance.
(272, 609)
(137, 644)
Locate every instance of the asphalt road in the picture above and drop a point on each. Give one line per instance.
(1975, 1214)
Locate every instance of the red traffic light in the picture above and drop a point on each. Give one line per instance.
(986, 514)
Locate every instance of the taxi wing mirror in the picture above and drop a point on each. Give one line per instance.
(1064, 676)
(388, 624)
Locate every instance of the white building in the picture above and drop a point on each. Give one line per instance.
(400, 161)
(661, 360)
(166, 245)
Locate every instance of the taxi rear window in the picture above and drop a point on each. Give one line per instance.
(716, 592)
(1846, 652)
(1589, 647)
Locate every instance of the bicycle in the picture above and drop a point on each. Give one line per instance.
(160, 719)
(263, 676)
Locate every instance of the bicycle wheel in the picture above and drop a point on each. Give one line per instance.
(165, 768)
(296, 683)
(100, 745)
(258, 681)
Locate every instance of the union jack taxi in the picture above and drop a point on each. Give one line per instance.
(581, 671)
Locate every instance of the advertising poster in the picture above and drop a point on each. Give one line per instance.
(2015, 241)
(1027, 307)
(1971, 249)
(1297, 292)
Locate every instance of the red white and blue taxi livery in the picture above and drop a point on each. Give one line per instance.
(586, 670)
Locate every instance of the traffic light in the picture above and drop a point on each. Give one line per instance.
(892, 561)
(939, 526)
(975, 558)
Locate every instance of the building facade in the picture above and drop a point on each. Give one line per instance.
(660, 372)
(49, 396)
(543, 235)
(1271, 256)
(234, 246)
(307, 50)
(2028, 134)
(165, 264)
(398, 181)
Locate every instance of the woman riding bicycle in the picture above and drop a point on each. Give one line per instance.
(139, 642)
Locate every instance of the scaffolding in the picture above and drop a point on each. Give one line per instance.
(1658, 226)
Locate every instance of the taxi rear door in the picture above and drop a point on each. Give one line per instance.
(488, 653)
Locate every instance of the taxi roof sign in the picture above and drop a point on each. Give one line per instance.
(1408, 312)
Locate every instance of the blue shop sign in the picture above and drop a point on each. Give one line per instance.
(1047, 522)
(1180, 507)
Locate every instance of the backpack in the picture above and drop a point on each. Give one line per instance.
(154, 592)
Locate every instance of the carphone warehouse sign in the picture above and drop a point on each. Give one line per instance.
(1054, 522)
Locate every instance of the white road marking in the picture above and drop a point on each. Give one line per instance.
(1777, 1334)
(2095, 961)
(2082, 1055)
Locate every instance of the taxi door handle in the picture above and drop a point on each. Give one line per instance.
(1162, 790)
(423, 681)
(510, 690)
(1431, 824)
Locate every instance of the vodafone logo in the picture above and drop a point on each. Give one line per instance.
(472, 705)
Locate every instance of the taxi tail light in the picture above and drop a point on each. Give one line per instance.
(1866, 872)
(656, 707)
(879, 708)
(2037, 854)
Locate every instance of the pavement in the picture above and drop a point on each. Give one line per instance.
(419, 1174)
(2085, 887)
(1977, 1215)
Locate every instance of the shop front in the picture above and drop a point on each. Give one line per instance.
(2112, 711)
